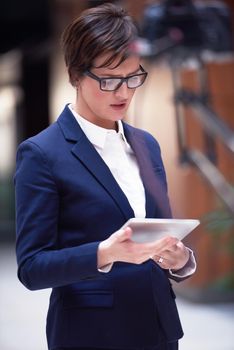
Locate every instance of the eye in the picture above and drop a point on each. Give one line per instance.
(104, 83)
(109, 84)
(134, 81)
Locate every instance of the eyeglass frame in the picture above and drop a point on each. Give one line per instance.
(122, 79)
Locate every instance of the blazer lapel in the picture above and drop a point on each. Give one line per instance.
(156, 196)
(87, 154)
(138, 146)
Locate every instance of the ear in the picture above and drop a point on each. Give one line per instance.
(74, 78)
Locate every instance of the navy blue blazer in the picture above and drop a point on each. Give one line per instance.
(67, 201)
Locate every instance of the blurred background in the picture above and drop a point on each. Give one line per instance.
(187, 103)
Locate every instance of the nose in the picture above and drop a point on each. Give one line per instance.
(123, 91)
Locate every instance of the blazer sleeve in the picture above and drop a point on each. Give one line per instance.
(41, 264)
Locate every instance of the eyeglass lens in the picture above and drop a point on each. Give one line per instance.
(114, 83)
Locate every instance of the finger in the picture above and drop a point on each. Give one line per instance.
(162, 244)
(180, 245)
(123, 234)
(174, 259)
(171, 241)
(163, 262)
(172, 252)
(172, 248)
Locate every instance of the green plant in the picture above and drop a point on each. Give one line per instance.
(220, 224)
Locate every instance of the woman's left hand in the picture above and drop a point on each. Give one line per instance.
(174, 258)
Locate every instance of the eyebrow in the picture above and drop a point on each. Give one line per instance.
(103, 75)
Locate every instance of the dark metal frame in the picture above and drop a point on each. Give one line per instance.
(213, 127)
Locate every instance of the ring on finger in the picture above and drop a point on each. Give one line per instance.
(160, 260)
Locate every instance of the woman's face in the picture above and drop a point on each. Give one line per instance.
(104, 108)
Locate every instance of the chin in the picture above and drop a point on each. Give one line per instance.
(119, 116)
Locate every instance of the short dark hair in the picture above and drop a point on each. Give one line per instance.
(105, 29)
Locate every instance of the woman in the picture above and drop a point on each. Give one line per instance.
(77, 183)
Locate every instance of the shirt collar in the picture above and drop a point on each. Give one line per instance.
(96, 134)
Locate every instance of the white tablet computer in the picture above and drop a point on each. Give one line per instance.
(149, 230)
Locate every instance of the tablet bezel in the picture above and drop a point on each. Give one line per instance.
(149, 230)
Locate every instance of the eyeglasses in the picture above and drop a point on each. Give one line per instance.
(113, 84)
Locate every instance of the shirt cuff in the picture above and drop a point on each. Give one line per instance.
(106, 268)
(188, 269)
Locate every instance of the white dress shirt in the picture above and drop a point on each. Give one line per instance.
(119, 157)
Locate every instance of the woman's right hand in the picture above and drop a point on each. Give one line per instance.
(120, 247)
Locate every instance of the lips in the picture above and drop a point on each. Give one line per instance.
(118, 105)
